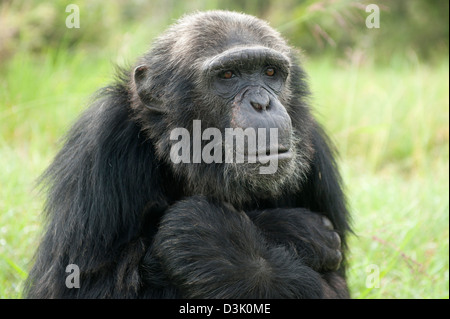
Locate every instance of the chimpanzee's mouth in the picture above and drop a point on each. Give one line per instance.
(270, 154)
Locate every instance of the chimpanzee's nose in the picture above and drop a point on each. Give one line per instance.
(260, 100)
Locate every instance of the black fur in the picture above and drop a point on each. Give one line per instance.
(140, 227)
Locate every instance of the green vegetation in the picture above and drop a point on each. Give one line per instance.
(391, 126)
(388, 113)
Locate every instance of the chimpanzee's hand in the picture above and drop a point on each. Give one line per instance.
(310, 234)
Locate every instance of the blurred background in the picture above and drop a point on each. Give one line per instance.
(382, 94)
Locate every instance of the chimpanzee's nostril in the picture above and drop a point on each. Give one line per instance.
(260, 105)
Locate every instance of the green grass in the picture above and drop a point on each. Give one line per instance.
(390, 123)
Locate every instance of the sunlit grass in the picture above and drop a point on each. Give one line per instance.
(391, 126)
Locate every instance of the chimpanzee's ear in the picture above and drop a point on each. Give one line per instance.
(141, 78)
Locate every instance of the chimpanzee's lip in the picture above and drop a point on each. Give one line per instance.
(281, 153)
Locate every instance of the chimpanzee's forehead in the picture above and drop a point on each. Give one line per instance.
(214, 32)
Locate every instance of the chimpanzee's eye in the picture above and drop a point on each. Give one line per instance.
(227, 74)
(270, 71)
